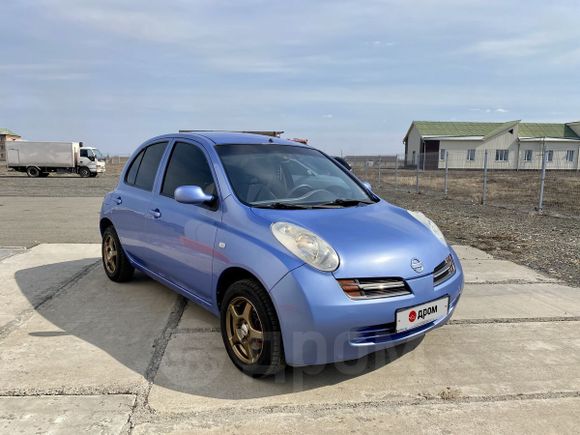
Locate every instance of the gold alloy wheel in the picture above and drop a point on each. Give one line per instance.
(244, 330)
(110, 253)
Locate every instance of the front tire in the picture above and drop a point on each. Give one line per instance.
(84, 172)
(115, 262)
(251, 330)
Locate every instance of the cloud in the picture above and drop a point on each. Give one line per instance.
(489, 110)
(328, 116)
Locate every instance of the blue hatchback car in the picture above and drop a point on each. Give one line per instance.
(301, 261)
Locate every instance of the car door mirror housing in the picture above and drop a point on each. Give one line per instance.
(192, 195)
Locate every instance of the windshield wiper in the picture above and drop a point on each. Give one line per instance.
(344, 203)
(283, 205)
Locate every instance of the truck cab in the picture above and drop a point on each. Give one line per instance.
(92, 159)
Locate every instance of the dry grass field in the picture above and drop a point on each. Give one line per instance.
(504, 188)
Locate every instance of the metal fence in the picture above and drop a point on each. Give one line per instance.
(117, 160)
(548, 181)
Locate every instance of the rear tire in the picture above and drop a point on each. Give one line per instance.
(115, 262)
(84, 172)
(33, 171)
(251, 330)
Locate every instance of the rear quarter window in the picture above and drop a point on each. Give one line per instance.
(132, 172)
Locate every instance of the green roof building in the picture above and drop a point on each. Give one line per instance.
(508, 145)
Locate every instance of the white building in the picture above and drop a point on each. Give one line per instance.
(6, 136)
(508, 145)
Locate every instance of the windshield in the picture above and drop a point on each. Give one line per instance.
(98, 154)
(286, 176)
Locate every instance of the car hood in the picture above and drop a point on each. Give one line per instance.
(377, 240)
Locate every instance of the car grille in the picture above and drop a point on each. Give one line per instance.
(443, 271)
(373, 288)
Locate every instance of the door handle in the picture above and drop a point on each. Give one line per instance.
(118, 200)
(156, 213)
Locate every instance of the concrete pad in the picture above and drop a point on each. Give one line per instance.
(64, 414)
(465, 252)
(460, 360)
(541, 416)
(195, 317)
(97, 336)
(35, 274)
(497, 271)
(512, 301)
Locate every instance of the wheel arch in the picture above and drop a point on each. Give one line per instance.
(104, 224)
(231, 275)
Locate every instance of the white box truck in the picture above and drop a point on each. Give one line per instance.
(39, 159)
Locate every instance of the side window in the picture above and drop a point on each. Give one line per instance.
(148, 167)
(132, 172)
(83, 153)
(143, 168)
(187, 166)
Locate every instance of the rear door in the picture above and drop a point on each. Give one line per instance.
(182, 236)
(133, 198)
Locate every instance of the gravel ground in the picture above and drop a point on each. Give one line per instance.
(547, 243)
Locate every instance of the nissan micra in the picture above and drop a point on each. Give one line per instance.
(300, 260)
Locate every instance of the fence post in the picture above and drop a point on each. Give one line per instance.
(446, 170)
(417, 176)
(379, 171)
(542, 180)
(396, 170)
(484, 198)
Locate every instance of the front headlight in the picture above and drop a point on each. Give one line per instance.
(306, 245)
(429, 224)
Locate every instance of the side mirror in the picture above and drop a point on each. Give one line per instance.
(368, 186)
(92, 158)
(192, 195)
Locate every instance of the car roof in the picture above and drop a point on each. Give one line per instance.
(230, 137)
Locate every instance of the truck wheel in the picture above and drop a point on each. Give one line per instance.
(84, 172)
(115, 262)
(33, 171)
(251, 330)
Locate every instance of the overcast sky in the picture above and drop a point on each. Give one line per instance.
(348, 75)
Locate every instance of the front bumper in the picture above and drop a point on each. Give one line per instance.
(320, 324)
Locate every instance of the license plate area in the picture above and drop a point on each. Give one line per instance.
(419, 315)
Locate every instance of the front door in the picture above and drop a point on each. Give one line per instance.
(431, 154)
(183, 235)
